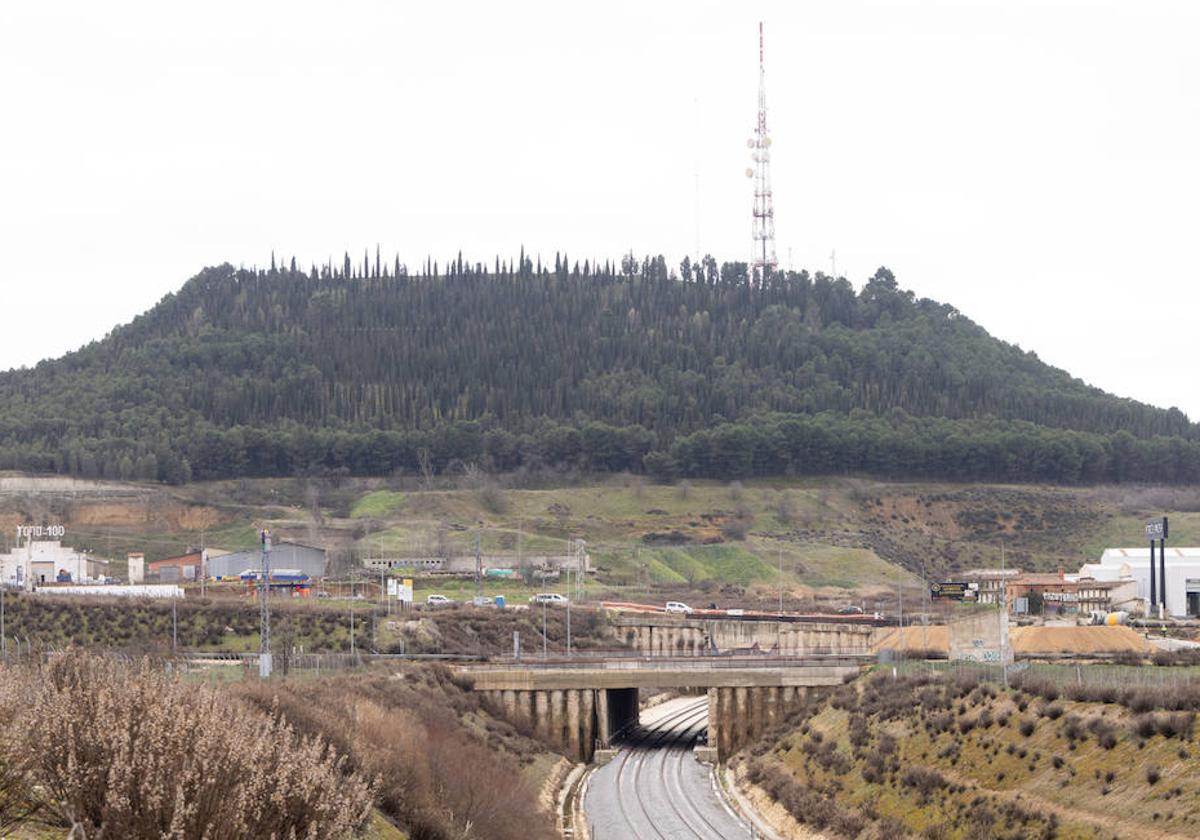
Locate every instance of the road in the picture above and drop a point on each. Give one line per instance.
(654, 789)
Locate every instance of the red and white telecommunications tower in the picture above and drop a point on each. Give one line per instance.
(763, 259)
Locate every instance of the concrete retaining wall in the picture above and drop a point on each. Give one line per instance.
(980, 636)
(670, 636)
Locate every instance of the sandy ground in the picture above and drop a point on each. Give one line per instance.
(1028, 640)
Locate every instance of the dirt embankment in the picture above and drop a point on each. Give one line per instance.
(951, 756)
(1027, 640)
(86, 508)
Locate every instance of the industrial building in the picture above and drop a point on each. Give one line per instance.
(189, 566)
(990, 583)
(1183, 575)
(465, 563)
(1075, 593)
(1095, 588)
(296, 557)
(44, 562)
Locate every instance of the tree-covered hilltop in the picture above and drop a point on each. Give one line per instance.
(368, 369)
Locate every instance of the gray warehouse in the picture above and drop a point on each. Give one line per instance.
(284, 555)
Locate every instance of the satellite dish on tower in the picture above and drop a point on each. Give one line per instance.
(749, 172)
(750, 143)
(766, 141)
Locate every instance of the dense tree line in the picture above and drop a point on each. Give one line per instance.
(366, 368)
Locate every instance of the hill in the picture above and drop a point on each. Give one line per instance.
(370, 370)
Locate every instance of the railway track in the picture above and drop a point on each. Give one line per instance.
(655, 790)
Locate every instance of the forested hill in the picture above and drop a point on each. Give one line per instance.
(370, 370)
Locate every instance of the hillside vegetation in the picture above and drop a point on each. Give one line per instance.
(367, 369)
(952, 758)
(725, 541)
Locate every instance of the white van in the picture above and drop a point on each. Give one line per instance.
(678, 607)
(550, 599)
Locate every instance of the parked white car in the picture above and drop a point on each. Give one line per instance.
(678, 607)
(438, 601)
(550, 599)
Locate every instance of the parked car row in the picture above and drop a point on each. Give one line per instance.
(551, 599)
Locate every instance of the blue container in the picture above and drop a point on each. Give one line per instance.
(500, 602)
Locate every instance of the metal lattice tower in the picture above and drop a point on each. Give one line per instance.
(763, 258)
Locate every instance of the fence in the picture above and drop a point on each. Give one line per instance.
(1063, 675)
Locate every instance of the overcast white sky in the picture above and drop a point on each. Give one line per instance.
(1036, 164)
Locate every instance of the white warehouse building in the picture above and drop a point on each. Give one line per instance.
(47, 561)
(1183, 574)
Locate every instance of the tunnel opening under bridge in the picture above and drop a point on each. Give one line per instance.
(586, 706)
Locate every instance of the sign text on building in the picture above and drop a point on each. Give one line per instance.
(1156, 529)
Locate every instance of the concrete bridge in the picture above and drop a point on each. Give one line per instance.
(583, 705)
(654, 634)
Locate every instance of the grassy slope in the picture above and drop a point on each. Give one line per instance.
(650, 540)
(1041, 772)
(615, 521)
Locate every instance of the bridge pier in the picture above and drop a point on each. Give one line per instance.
(577, 720)
(738, 715)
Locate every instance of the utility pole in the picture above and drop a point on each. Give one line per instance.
(781, 581)
(3, 638)
(1003, 615)
(478, 572)
(926, 607)
(568, 612)
(174, 626)
(264, 608)
(203, 564)
(545, 653)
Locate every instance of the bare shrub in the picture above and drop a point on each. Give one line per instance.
(435, 776)
(17, 802)
(785, 508)
(1051, 710)
(925, 780)
(1105, 732)
(736, 527)
(492, 498)
(124, 751)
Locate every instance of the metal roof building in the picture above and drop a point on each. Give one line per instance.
(306, 559)
(1183, 575)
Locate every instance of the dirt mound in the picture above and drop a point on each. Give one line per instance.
(1025, 640)
(1077, 640)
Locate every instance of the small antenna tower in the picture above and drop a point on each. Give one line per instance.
(763, 259)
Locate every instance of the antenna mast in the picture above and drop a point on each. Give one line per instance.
(763, 258)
